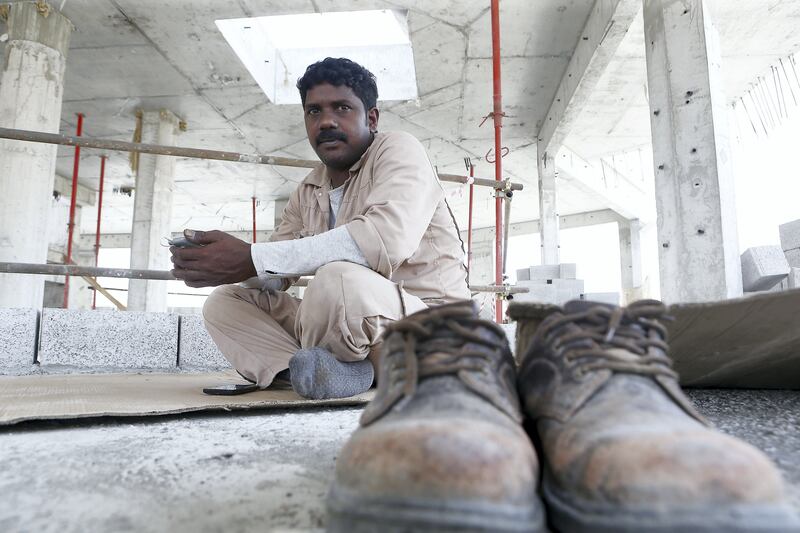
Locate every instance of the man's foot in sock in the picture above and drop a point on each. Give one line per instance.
(318, 375)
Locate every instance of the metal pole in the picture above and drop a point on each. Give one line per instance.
(254, 219)
(201, 153)
(72, 203)
(99, 212)
(506, 224)
(469, 222)
(98, 272)
(497, 116)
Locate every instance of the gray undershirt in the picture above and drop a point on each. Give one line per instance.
(302, 257)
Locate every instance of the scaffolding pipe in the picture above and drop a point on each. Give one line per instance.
(99, 272)
(506, 224)
(73, 200)
(469, 221)
(99, 213)
(202, 153)
(254, 219)
(497, 117)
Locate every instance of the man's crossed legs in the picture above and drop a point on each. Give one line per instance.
(327, 336)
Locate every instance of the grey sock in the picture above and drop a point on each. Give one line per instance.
(317, 374)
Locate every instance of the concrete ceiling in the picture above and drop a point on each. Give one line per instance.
(130, 54)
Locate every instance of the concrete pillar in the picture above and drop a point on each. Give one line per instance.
(548, 216)
(31, 90)
(630, 256)
(152, 212)
(698, 252)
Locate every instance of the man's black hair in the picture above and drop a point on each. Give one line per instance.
(338, 72)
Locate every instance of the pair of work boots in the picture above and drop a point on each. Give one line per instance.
(442, 447)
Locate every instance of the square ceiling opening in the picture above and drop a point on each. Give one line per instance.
(276, 50)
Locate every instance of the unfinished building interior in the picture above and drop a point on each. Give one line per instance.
(604, 152)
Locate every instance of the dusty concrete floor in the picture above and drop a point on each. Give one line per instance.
(265, 471)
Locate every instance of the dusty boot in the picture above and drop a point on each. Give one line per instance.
(623, 448)
(440, 448)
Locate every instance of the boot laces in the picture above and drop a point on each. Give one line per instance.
(448, 343)
(621, 339)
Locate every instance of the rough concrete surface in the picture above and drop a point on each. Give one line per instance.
(251, 472)
(110, 340)
(195, 348)
(18, 329)
(210, 473)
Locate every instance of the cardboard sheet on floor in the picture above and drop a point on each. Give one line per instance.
(751, 342)
(52, 397)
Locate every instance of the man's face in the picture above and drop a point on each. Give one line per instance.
(338, 127)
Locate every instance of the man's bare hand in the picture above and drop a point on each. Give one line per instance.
(222, 259)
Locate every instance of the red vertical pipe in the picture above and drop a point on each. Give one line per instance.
(497, 116)
(254, 219)
(72, 202)
(99, 212)
(469, 222)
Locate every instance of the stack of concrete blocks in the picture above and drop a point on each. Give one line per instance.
(790, 244)
(71, 340)
(18, 333)
(197, 351)
(763, 267)
(555, 284)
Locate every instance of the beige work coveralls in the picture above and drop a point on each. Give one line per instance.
(394, 208)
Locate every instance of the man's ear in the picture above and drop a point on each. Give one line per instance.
(372, 119)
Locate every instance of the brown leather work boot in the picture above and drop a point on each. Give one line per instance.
(623, 448)
(440, 448)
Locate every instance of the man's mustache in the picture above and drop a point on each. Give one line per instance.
(331, 135)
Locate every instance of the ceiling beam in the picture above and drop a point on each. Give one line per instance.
(607, 24)
(615, 190)
(576, 220)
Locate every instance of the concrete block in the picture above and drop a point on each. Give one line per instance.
(793, 258)
(196, 350)
(602, 297)
(763, 267)
(543, 272)
(567, 289)
(523, 274)
(537, 292)
(790, 235)
(108, 339)
(568, 271)
(18, 329)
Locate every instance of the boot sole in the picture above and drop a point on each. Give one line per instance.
(349, 512)
(569, 514)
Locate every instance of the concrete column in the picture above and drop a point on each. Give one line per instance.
(548, 217)
(630, 256)
(152, 212)
(31, 90)
(698, 252)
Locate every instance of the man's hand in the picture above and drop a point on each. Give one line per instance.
(221, 260)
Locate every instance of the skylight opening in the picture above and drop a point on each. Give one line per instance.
(276, 50)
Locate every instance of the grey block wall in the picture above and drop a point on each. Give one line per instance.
(197, 350)
(110, 339)
(18, 333)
